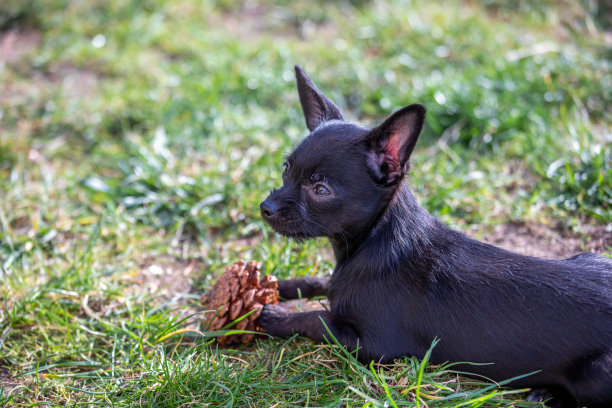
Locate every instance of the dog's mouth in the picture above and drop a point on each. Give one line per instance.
(290, 229)
(298, 236)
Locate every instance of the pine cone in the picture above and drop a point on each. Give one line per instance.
(237, 292)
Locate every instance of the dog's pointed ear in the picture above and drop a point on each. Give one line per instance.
(391, 143)
(317, 107)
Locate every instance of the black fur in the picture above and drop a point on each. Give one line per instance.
(403, 279)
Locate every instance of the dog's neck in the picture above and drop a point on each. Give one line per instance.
(404, 223)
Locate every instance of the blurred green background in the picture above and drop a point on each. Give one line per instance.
(139, 136)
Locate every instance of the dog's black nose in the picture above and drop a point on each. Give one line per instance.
(268, 209)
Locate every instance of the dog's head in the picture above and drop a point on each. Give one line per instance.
(338, 180)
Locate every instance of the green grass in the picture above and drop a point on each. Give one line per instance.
(146, 132)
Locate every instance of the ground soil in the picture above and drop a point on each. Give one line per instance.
(16, 43)
(166, 276)
(7, 381)
(541, 240)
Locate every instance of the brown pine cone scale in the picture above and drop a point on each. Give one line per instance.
(238, 291)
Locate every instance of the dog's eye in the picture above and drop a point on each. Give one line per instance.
(321, 190)
(286, 170)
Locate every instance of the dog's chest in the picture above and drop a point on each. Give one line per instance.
(369, 306)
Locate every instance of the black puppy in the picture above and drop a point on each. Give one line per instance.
(403, 279)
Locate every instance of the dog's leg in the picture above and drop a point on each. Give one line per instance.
(280, 322)
(591, 381)
(305, 288)
(554, 397)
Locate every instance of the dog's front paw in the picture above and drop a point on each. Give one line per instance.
(273, 320)
(550, 400)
